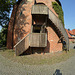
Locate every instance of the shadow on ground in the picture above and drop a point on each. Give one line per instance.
(57, 72)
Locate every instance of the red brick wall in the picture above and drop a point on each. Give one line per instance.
(10, 28)
(52, 44)
(23, 24)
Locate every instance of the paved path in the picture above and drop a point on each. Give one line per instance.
(8, 67)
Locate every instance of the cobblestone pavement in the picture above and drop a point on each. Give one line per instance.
(8, 67)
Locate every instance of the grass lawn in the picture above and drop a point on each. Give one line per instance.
(38, 59)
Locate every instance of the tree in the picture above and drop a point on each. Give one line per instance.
(3, 36)
(5, 8)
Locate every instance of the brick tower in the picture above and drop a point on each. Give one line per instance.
(35, 27)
